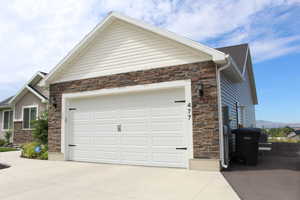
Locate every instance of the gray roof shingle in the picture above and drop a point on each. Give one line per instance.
(5, 103)
(237, 52)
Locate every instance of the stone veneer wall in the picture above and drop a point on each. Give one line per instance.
(205, 108)
(21, 136)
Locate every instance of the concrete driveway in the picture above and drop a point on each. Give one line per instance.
(36, 179)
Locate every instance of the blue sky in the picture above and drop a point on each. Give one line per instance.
(36, 35)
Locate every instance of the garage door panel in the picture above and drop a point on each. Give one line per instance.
(167, 126)
(78, 124)
(93, 133)
(96, 147)
(168, 119)
(167, 141)
(133, 113)
(105, 122)
(135, 120)
(104, 128)
(167, 111)
(138, 127)
(168, 157)
(90, 131)
(137, 141)
(95, 140)
(134, 148)
(134, 157)
(105, 115)
(143, 128)
(91, 156)
(81, 116)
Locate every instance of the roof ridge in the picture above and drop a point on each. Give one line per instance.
(242, 44)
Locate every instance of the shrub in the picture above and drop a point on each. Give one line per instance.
(40, 129)
(44, 156)
(29, 151)
(2, 142)
(7, 136)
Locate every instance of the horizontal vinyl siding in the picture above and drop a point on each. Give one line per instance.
(241, 93)
(245, 99)
(122, 47)
(230, 92)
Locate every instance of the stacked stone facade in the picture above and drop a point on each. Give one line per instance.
(205, 108)
(21, 136)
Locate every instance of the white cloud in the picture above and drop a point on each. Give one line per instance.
(272, 47)
(35, 35)
(230, 22)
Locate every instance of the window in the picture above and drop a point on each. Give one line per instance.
(29, 114)
(7, 119)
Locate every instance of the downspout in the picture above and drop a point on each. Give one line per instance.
(220, 112)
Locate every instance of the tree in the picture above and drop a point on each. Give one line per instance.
(40, 128)
(288, 130)
(280, 132)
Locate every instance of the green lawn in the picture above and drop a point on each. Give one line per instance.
(5, 149)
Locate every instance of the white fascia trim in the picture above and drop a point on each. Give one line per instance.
(25, 86)
(217, 56)
(245, 63)
(186, 84)
(236, 69)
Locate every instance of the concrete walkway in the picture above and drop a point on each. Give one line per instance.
(60, 180)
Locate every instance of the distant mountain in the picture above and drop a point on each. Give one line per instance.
(269, 124)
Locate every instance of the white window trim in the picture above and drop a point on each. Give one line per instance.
(31, 106)
(8, 110)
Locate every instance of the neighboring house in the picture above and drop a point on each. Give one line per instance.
(6, 117)
(24, 107)
(130, 93)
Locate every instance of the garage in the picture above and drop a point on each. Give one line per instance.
(147, 128)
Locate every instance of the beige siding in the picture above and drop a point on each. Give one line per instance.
(122, 47)
(28, 99)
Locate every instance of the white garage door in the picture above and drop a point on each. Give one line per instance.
(144, 128)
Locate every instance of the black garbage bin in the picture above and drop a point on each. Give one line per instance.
(246, 145)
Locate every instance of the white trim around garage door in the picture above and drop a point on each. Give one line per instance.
(186, 84)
